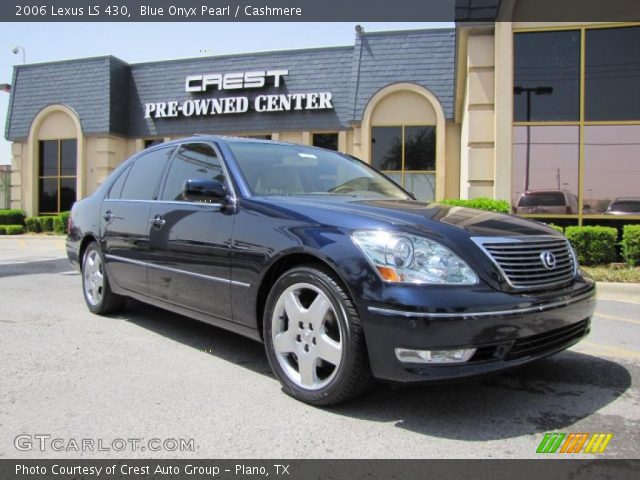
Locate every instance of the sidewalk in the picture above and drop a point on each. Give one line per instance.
(29, 248)
(625, 292)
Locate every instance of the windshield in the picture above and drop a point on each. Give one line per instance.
(546, 199)
(273, 169)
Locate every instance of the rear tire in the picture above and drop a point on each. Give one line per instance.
(314, 339)
(95, 283)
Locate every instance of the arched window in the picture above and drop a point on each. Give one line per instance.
(403, 129)
(56, 145)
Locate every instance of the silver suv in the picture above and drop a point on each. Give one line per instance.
(547, 201)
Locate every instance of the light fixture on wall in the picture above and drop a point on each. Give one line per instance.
(17, 49)
(5, 87)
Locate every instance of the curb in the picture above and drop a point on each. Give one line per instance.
(628, 292)
(32, 237)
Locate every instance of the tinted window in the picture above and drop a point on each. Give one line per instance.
(116, 188)
(193, 161)
(386, 148)
(68, 158)
(48, 188)
(142, 181)
(57, 167)
(67, 193)
(49, 158)
(420, 148)
(326, 140)
(547, 76)
(152, 142)
(612, 78)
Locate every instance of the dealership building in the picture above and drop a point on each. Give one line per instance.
(491, 109)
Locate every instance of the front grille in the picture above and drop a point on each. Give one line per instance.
(520, 262)
(548, 341)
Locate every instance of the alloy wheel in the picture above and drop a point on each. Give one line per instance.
(93, 277)
(307, 336)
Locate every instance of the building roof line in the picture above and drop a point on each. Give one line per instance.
(412, 31)
(70, 60)
(245, 55)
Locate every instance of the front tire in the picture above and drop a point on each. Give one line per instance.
(95, 283)
(313, 338)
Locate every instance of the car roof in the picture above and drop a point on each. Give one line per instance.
(533, 192)
(199, 137)
(626, 199)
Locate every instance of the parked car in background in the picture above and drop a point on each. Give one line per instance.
(554, 202)
(624, 206)
(338, 270)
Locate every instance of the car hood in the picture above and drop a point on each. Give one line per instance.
(346, 211)
(453, 227)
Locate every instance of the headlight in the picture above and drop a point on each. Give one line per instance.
(402, 258)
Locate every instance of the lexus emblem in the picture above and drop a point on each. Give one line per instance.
(548, 259)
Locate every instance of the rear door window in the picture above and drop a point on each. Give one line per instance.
(144, 175)
(116, 189)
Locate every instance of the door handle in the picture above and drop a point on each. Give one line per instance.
(157, 221)
(108, 216)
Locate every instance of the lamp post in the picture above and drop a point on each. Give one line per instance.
(537, 91)
(17, 49)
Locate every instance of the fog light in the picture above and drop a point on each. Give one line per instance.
(434, 356)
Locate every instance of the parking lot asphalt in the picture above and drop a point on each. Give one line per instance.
(149, 374)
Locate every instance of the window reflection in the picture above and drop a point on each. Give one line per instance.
(422, 185)
(420, 148)
(407, 154)
(550, 155)
(386, 148)
(612, 74)
(612, 170)
(546, 76)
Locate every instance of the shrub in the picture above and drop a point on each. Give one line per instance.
(46, 224)
(594, 244)
(631, 244)
(557, 228)
(481, 203)
(14, 229)
(12, 217)
(32, 224)
(3, 229)
(60, 223)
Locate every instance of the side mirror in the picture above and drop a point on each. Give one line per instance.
(204, 190)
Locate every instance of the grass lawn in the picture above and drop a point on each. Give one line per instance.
(603, 273)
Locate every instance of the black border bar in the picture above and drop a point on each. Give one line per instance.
(461, 11)
(541, 469)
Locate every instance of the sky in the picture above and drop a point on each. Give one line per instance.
(142, 42)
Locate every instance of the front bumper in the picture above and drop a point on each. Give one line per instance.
(505, 335)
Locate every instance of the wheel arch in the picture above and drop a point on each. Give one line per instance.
(89, 238)
(287, 262)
